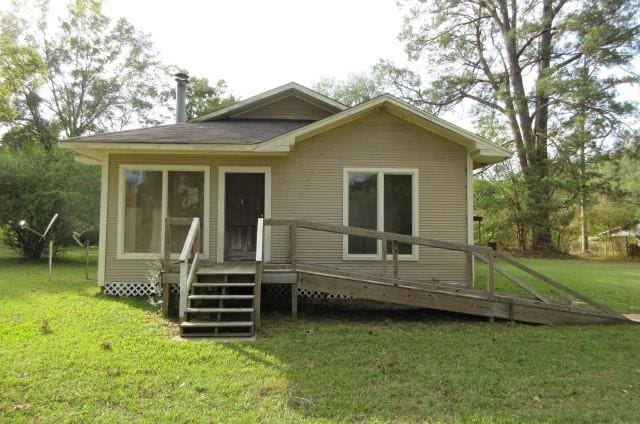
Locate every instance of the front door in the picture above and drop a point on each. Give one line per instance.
(244, 204)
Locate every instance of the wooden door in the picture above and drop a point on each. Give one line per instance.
(244, 204)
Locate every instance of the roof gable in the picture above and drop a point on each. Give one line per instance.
(290, 101)
(482, 150)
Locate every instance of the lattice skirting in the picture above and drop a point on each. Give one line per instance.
(284, 291)
(129, 289)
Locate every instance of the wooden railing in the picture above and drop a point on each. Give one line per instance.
(482, 253)
(188, 260)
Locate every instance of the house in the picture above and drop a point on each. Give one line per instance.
(293, 156)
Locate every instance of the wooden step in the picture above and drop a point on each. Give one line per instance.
(196, 324)
(220, 297)
(235, 336)
(218, 310)
(222, 284)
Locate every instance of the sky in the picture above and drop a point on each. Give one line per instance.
(258, 45)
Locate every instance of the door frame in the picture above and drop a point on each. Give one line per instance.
(222, 187)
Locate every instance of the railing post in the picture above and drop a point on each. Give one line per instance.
(293, 245)
(384, 257)
(184, 274)
(490, 284)
(257, 294)
(166, 268)
(394, 250)
(470, 280)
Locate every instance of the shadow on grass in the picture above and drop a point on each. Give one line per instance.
(350, 363)
(353, 362)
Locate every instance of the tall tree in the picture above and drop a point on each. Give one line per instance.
(591, 112)
(20, 68)
(355, 89)
(507, 57)
(100, 74)
(203, 98)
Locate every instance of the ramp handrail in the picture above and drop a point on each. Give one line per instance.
(484, 254)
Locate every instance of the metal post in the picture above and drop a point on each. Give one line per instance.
(86, 257)
(50, 260)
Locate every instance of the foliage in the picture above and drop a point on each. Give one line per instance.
(100, 75)
(34, 185)
(355, 89)
(518, 60)
(203, 98)
(20, 67)
(114, 360)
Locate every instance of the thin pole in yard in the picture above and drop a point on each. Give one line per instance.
(50, 260)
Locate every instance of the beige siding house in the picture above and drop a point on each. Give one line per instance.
(290, 192)
(290, 153)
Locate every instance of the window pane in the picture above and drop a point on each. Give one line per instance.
(142, 211)
(398, 211)
(363, 211)
(185, 200)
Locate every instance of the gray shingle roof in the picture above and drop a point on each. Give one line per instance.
(237, 131)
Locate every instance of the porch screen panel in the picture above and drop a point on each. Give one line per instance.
(143, 211)
(398, 208)
(363, 211)
(185, 199)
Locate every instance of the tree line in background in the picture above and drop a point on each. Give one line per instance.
(542, 77)
(85, 74)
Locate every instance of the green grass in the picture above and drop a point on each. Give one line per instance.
(110, 360)
(615, 284)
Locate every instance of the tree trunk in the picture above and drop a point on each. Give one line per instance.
(583, 202)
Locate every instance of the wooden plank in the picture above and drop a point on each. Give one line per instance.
(166, 266)
(257, 294)
(384, 257)
(501, 307)
(293, 236)
(182, 305)
(179, 221)
(192, 271)
(556, 284)
(257, 290)
(469, 280)
(194, 229)
(394, 252)
(521, 284)
(294, 299)
(400, 238)
(259, 239)
(491, 291)
(386, 281)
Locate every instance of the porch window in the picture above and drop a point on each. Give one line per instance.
(148, 195)
(383, 200)
(143, 211)
(185, 199)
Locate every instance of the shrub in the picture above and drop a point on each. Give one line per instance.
(34, 185)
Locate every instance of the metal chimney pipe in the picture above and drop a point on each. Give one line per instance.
(181, 97)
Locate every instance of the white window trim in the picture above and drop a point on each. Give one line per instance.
(165, 187)
(380, 172)
(222, 172)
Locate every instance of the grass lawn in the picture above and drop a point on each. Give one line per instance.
(69, 354)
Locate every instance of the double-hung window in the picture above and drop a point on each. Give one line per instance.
(384, 200)
(147, 195)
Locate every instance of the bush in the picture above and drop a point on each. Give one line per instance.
(34, 185)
